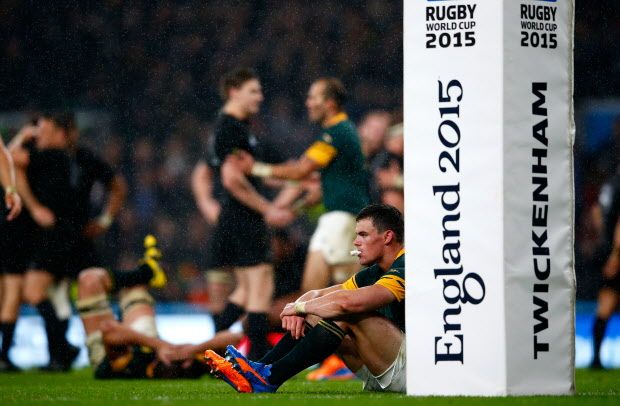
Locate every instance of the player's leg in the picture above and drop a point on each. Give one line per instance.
(94, 285)
(329, 253)
(235, 305)
(220, 284)
(11, 285)
(290, 356)
(380, 347)
(260, 285)
(138, 310)
(607, 302)
(36, 285)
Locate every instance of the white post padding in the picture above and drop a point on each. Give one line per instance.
(489, 197)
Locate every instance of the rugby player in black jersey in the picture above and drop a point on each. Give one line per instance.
(241, 239)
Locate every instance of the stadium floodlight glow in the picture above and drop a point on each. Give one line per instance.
(489, 196)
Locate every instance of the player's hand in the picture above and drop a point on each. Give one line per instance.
(245, 161)
(14, 203)
(168, 353)
(279, 217)
(43, 216)
(610, 269)
(27, 132)
(295, 325)
(93, 229)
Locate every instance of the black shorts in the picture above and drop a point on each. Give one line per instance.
(613, 283)
(240, 239)
(16, 241)
(63, 251)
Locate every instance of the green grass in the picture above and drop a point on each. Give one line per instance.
(78, 387)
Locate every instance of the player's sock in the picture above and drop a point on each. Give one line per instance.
(8, 331)
(283, 347)
(319, 343)
(598, 332)
(141, 275)
(258, 326)
(56, 339)
(229, 315)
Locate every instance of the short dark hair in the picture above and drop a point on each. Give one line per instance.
(61, 118)
(235, 79)
(334, 90)
(384, 217)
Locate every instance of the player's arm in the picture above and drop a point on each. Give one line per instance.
(202, 189)
(117, 193)
(41, 214)
(117, 334)
(7, 179)
(317, 156)
(294, 170)
(344, 302)
(237, 184)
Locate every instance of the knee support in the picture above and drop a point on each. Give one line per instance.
(94, 306)
(135, 297)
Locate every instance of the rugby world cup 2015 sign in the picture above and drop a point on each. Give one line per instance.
(489, 196)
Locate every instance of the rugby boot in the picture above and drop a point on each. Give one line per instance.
(332, 369)
(224, 369)
(152, 256)
(255, 372)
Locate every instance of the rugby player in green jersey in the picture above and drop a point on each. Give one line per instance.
(337, 154)
(363, 319)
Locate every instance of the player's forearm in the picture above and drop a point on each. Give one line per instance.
(288, 195)
(7, 170)
(293, 171)
(23, 189)
(244, 192)
(201, 184)
(314, 294)
(327, 307)
(117, 195)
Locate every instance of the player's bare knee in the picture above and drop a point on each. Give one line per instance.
(92, 281)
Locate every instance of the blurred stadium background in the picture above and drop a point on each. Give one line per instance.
(142, 77)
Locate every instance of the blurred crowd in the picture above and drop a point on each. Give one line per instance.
(153, 66)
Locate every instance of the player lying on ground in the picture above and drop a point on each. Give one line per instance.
(129, 348)
(363, 319)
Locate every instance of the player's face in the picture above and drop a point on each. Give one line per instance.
(315, 102)
(369, 242)
(250, 96)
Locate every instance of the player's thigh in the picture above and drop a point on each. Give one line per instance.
(260, 287)
(316, 272)
(607, 302)
(334, 237)
(36, 284)
(377, 340)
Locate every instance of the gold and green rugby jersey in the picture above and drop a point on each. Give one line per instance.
(393, 279)
(343, 175)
